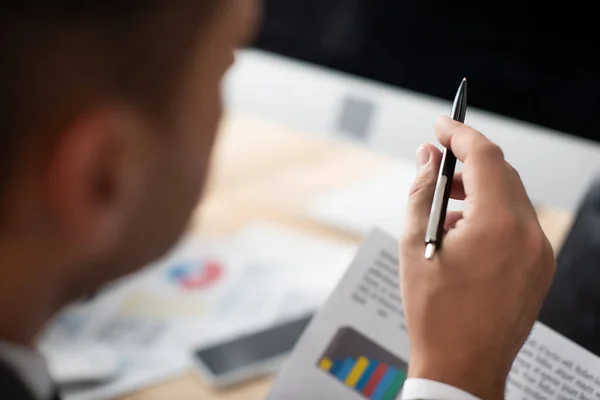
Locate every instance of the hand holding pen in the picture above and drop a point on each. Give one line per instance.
(470, 307)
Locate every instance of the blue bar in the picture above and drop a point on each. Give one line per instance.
(367, 375)
(337, 364)
(384, 383)
(342, 374)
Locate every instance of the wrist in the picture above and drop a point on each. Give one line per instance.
(471, 377)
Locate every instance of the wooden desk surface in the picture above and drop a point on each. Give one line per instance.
(262, 171)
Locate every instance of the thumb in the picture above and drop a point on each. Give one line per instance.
(421, 193)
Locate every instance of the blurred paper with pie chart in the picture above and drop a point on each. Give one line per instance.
(204, 289)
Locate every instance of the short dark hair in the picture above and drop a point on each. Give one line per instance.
(59, 57)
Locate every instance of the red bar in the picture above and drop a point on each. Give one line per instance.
(374, 380)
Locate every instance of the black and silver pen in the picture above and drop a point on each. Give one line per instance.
(437, 216)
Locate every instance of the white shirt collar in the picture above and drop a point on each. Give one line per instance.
(31, 367)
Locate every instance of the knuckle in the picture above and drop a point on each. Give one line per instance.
(404, 242)
(499, 229)
(512, 171)
(422, 185)
(506, 223)
(545, 247)
(535, 240)
(515, 177)
(407, 243)
(547, 266)
(491, 150)
(536, 244)
(551, 264)
(549, 257)
(416, 188)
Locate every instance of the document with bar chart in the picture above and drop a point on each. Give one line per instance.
(356, 346)
(364, 366)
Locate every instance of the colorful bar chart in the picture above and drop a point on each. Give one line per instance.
(364, 366)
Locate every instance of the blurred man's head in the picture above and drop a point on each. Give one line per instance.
(108, 112)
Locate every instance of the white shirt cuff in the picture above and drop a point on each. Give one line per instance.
(415, 389)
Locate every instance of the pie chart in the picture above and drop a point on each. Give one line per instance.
(196, 275)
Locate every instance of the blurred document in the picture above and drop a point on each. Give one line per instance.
(202, 290)
(356, 347)
(137, 372)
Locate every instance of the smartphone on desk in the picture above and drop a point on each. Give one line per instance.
(572, 307)
(255, 354)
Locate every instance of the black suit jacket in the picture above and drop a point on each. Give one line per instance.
(12, 386)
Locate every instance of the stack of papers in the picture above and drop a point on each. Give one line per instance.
(202, 290)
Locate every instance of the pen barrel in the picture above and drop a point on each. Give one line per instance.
(448, 172)
(441, 197)
(448, 165)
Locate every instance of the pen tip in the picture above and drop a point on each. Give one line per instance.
(429, 251)
(464, 79)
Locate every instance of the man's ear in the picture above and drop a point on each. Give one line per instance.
(94, 177)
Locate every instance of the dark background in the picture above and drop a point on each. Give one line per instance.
(532, 60)
(572, 307)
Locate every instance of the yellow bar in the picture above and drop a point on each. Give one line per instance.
(325, 364)
(359, 368)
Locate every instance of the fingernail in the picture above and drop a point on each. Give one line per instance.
(423, 156)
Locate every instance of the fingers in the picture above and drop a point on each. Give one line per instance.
(458, 189)
(485, 176)
(518, 191)
(452, 218)
(421, 193)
